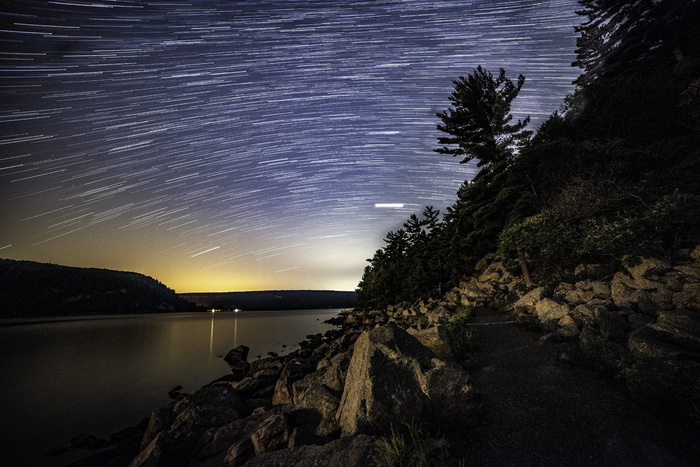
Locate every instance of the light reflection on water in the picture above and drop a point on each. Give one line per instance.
(100, 374)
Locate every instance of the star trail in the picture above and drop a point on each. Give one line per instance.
(246, 145)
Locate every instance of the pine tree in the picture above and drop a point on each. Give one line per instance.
(480, 121)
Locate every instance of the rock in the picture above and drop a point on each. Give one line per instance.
(348, 451)
(587, 313)
(262, 374)
(393, 378)
(316, 399)
(430, 337)
(620, 290)
(648, 267)
(662, 298)
(239, 369)
(586, 271)
(568, 331)
(233, 440)
(484, 262)
(566, 321)
(689, 271)
(601, 290)
(695, 254)
(176, 428)
(549, 311)
(637, 320)
(239, 354)
(272, 434)
(292, 371)
(612, 325)
(526, 304)
(679, 327)
(163, 450)
(320, 403)
(645, 345)
(90, 442)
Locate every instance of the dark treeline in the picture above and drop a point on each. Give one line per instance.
(274, 299)
(31, 289)
(613, 174)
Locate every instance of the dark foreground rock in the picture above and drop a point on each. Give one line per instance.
(393, 378)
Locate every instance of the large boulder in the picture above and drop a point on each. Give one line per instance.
(675, 334)
(393, 378)
(238, 354)
(175, 429)
(549, 311)
(526, 304)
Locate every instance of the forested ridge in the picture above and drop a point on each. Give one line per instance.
(31, 289)
(611, 176)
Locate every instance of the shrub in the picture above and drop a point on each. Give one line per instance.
(409, 445)
(459, 334)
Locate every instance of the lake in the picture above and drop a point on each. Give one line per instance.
(98, 374)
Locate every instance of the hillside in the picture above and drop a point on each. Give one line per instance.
(275, 299)
(611, 175)
(31, 289)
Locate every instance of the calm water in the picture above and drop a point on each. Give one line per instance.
(100, 374)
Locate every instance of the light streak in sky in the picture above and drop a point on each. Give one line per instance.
(269, 126)
(206, 251)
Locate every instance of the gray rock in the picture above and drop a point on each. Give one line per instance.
(549, 311)
(393, 378)
(679, 327)
(601, 290)
(263, 373)
(238, 354)
(695, 254)
(587, 313)
(320, 402)
(644, 344)
(174, 430)
(272, 434)
(348, 451)
(526, 304)
(648, 267)
(233, 439)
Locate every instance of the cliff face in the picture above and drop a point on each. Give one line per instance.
(30, 289)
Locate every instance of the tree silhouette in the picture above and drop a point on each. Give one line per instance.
(480, 121)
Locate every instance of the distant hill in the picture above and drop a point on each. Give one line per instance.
(275, 299)
(29, 289)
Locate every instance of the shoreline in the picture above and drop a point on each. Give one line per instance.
(303, 405)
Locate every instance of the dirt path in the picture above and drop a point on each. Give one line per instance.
(540, 412)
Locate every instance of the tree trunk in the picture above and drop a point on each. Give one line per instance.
(523, 266)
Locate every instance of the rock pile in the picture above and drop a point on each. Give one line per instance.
(328, 402)
(325, 404)
(641, 323)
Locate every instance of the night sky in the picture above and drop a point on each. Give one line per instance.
(246, 145)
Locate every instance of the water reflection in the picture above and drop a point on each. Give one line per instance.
(99, 374)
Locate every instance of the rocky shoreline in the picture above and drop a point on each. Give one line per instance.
(342, 396)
